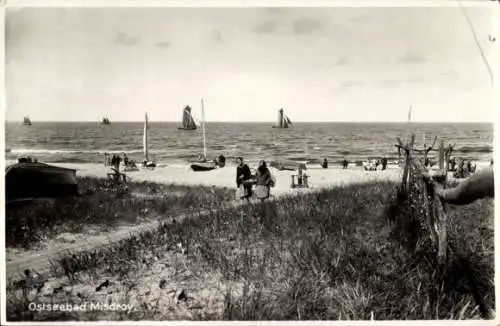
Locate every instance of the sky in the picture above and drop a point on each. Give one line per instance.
(364, 64)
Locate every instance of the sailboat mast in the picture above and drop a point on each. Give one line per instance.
(145, 140)
(203, 126)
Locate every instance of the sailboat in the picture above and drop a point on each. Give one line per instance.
(147, 162)
(26, 121)
(105, 121)
(203, 165)
(283, 121)
(188, 122)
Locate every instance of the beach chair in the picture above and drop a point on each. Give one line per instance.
(116, 175)
(302, 181)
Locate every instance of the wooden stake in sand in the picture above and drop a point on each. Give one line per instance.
(441, 211)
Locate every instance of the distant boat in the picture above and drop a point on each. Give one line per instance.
(105, 121)
(188, 122)
(39, 180)
(203, 165)
(283, 121)
(27, 121)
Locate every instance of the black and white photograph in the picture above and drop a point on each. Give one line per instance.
(195, 161)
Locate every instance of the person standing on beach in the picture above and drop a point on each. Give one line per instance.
(243, 176)
(125, 159)
(263, 184)
(117, 162)
(460, 172)
(384, 163)
(324, 165)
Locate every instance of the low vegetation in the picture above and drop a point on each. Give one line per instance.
(104, 204)
(335, 254)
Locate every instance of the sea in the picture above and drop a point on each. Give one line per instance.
(83, 142)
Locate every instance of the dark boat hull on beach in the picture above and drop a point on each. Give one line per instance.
(287, 165)
(39, 180)
(199, 167)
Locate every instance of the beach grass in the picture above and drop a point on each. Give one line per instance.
(334, 254)
(104, 204)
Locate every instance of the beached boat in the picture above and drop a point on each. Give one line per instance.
(147, 162)
(203, 165)
(283, 121)
(286, 165)
(27, 121)
(39, 180)
(105, 121)
(188, 122)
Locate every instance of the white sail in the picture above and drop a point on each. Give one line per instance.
(203, 127)
(145, 138)
(279, 123)
(283, 120)
(188, 122)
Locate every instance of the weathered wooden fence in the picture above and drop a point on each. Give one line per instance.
(418, 187)
(419, 205)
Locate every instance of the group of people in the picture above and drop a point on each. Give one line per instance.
(115, 161)
(27, 159)
(372, 165)
(463, 168)
(245, 181)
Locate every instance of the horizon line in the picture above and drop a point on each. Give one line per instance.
(248, 122)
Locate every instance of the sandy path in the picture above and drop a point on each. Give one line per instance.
(41, 262)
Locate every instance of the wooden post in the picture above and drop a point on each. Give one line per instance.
(441, 212)
(407, 167)
(442, 232)
(425, 152)
(441, 155)
(410, 157)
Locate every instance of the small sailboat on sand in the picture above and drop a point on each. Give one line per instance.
(26, 121)
(283, 121)
(188, 122)
(203, 164)
(147, 163)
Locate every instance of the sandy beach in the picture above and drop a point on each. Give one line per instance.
(226, 177)
(181, 174)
